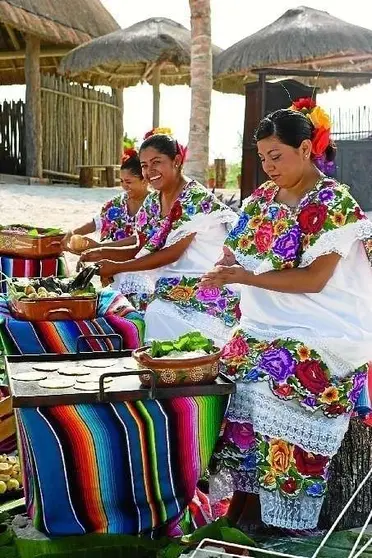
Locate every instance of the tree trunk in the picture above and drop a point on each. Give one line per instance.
(348, 469)
(201, 90)
(156, 97)
(33, 130)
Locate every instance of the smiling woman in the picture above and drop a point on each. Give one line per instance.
(181, 229)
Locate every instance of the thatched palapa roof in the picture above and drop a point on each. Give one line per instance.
(66, 23)
(301, 38)
(128, 56)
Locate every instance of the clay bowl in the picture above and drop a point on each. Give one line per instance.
(179, 372)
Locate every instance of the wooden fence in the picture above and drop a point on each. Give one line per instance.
(79, 126)
(12, 138)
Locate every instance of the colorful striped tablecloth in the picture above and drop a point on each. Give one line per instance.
(129, 467)
(21, 267)
(114, 315)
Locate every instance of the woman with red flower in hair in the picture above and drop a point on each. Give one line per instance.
(181, 229)
(300, 353)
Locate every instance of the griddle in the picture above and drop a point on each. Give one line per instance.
(126, 385)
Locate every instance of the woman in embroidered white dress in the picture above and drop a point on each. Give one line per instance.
(116, 225)
(182, 227)
(299, 355)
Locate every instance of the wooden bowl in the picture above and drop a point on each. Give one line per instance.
(54, 309)
(175, 372)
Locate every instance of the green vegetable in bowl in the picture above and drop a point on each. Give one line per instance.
(189, 342)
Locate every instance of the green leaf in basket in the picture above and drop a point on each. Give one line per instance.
(189, 342)
(33, 232)
(52, 232)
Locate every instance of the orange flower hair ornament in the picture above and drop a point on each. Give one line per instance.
(181, 150)
(320, 120)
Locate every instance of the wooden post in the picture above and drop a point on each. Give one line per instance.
(156, 97)
(110, 176)
(220, 172)
(119, 125)
(86, 177)
(33, 129)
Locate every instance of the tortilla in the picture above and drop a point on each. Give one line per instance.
(91, 378)
(30, 376)
(91, 386)
(57, 383)
(46, 367)
(104, 363)
(72, 370)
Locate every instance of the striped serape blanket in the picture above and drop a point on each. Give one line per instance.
(128, 467)
(114, 315)
(21, 267)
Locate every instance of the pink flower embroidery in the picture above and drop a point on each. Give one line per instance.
(237, 347)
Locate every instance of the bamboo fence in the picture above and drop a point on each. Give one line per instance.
(12, 138)
(79, 126)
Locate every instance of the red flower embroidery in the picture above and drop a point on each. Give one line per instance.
(359, 214)
(289, 486)
(312, 376)
(264, 237)
(285, 390)
(335, 409)
(310, 464)
(320, 141)
(304, 103)
(312, 218)
(176, 211)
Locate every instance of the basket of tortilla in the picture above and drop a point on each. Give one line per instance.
(53, 299)
(190, 360)
(30, 242)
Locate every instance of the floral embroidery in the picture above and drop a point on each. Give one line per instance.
(116, 223)
(270, 231)
(154, 229)
(290, 469)
(186, 292)
(293, 371)
(275, 463)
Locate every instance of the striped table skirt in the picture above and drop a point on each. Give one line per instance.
(129, 467)
(114, 315)
(21, 267)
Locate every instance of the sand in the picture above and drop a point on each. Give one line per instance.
(63, 206)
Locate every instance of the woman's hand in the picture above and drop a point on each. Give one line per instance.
(108, 268)
(227, 258)
(65, 240)
(224, 275)
(92, 255)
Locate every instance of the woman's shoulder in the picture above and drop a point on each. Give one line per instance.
(264, 193)
(118, 201)
(197, 195)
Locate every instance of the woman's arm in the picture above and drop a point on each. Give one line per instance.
(129, 241)
(310, 279)
(165, 256)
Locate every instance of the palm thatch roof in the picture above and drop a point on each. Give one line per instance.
(301, 38)
(129, 56)
(60, 25)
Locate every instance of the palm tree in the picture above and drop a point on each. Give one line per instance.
(201, 89)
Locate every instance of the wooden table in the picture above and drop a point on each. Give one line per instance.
(86, 174)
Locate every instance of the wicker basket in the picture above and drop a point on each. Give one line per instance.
(7, 422)
(173, 372)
